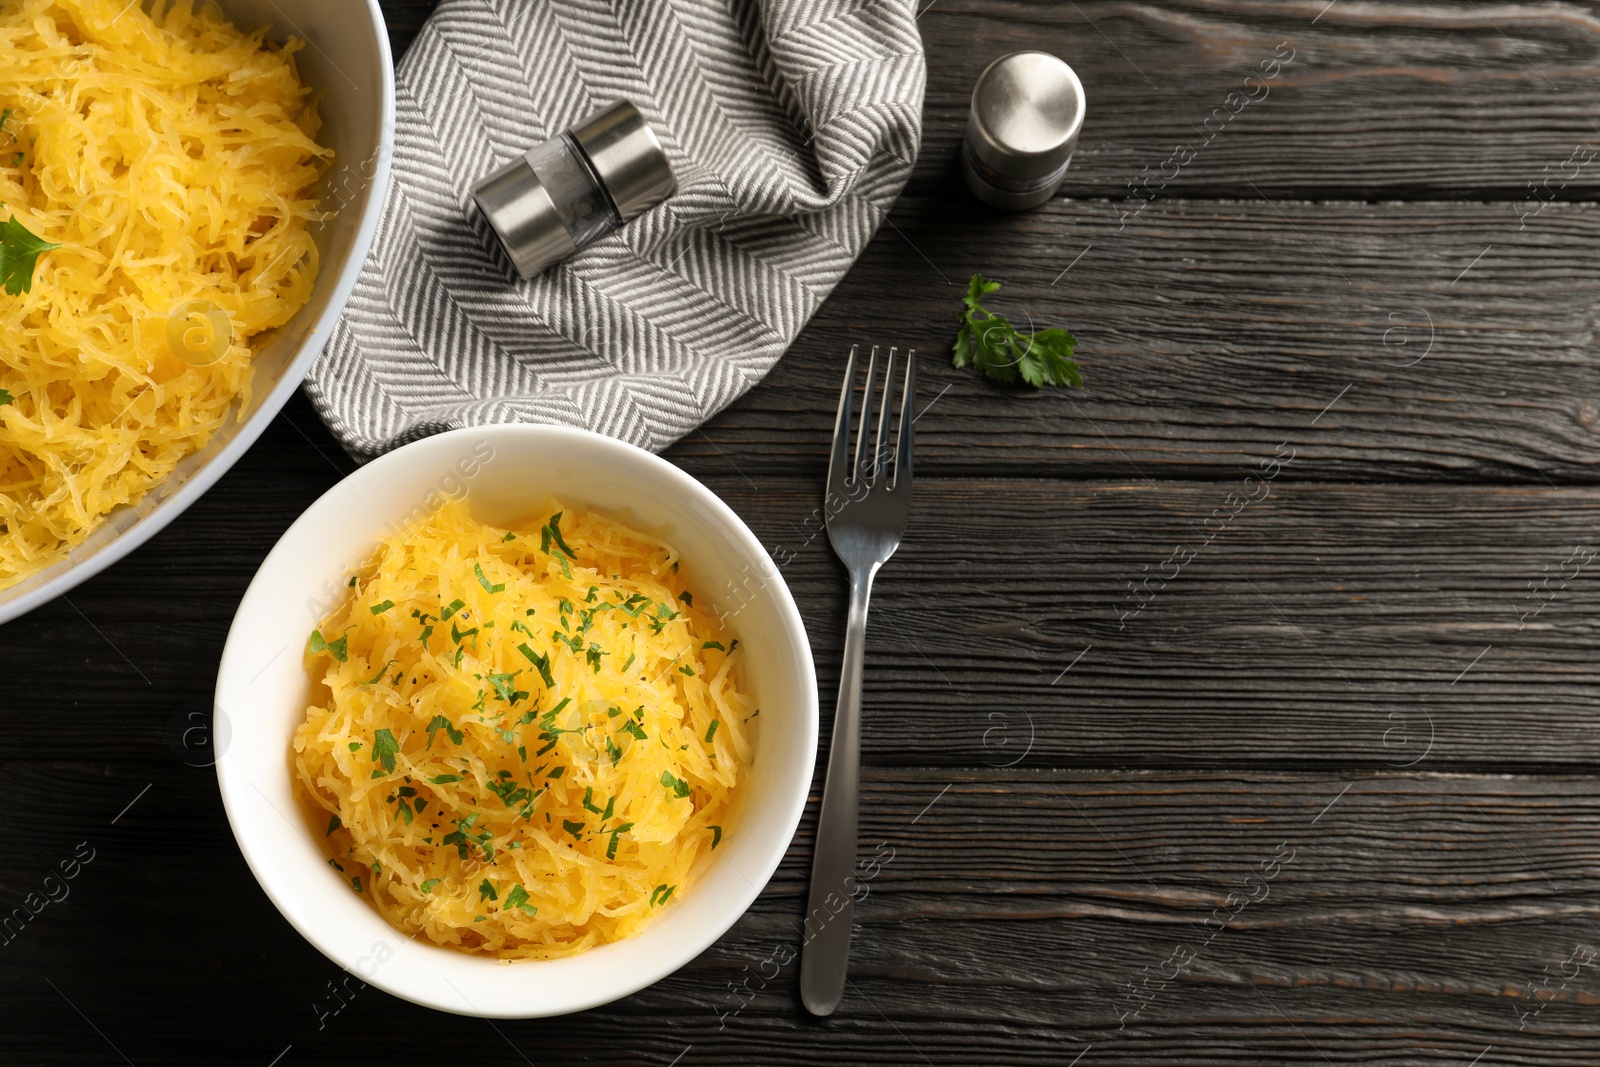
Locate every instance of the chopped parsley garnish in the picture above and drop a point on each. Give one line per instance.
(990, 343)
(376, 677)
(379, 609)
(427, 887)
(716, 835)
(714, 644)
(339, 649)
(504, 687)
(628, 663)
(711, 731)
(611, 849)
(573, 828)
(631, 727)
(686, 669)
(450, 609)
(477, 568)
(552, 532)
(687, 598)
(444, 779)
(19, 255)
(593, 655)
(439, 722)
(679, 787)
(541, 662)
(384, 748)
(462, 837)
(5, 398)
(333, 824)
(662, 894)
(508, 537)
(355, 746)
(517, 897)
(486, 891)
(357, 883)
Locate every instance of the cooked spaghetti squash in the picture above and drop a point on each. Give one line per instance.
(157, 167)
(525, 741)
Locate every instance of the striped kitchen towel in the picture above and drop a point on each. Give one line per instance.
(792, 126)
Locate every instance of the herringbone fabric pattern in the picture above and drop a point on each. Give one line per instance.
(791, 124)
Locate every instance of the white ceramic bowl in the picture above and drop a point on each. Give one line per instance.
(347, 61)
(505, 471)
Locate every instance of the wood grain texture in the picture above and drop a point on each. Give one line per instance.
(1394, 918)
(1209, 333)
(1358, 625)
(1421, 100)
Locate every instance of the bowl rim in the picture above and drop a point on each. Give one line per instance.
(235, 782)
(272, 403)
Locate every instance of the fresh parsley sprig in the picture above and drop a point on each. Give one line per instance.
(987, 341)
(19, 254)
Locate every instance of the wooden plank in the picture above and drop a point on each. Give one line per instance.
(1384, 342)
(1362, 626)
(1413, 99)
(1393, 920)
(1395, 100)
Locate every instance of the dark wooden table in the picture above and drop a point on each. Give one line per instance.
(1167, 776)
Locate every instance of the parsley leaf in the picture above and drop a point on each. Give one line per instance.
(5, 398)
(384, 748)
(339, 649)
(551, 531)
(484, 581)
(541, 662)
(517, 898)
(427, 887)
(375, 678)
(439, 722)
(679, 787)
(990, 343)
(486, 891)
(379, 609)
(19, 254)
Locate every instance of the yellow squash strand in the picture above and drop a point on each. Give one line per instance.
(526, 741)
(172, 157)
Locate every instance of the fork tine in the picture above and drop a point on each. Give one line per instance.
(902, 455)
(838, 472)
(881, 449)
(856, 469)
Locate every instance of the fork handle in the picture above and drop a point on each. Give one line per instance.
(825, 955)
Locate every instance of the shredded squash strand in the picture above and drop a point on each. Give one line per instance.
(173, 159)
(529, 740)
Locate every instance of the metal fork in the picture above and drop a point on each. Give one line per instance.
(865, 509)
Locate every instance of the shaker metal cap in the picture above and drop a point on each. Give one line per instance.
(627, 158)
(1027, 109)
(524, 217)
